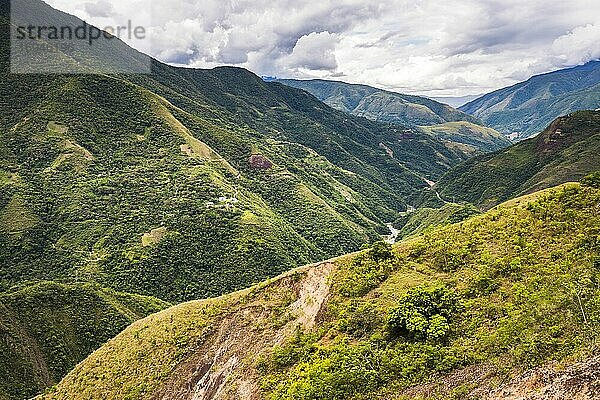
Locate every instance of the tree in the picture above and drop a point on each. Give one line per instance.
(424, 313)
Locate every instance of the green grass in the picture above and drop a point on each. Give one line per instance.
(474, 138)
(16, 218)
(523, 275)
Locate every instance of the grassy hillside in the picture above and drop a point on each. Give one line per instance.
(426, 218)
(47, 328)
(187, 183)
(565, 151)
(453, 127)
(453, 313)
(467, 136)
(528, 107)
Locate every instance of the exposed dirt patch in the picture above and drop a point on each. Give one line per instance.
(154, 236)
(314, 293)
(258, 161)
(222, 365)
(580, 381)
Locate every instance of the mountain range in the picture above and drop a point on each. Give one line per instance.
(176, 185)
(439, 120)
(139, 212)
(522, 110)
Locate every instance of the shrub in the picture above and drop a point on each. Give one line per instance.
(592, 180)
(381, 251)
(425, 313)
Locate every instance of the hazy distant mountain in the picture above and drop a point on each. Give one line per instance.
(456, 102)
(526, 108)
(440, 120)
(380, 105)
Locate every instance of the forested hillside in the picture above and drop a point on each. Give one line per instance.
(524, 109)
(47, 328)
(459, 312)
(567, 150)
(188, 183)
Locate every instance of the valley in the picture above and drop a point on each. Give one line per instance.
(308, 333)
(186, 230)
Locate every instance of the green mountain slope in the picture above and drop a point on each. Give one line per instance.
(427, 218)
(188, 183)
(47, 328)
(565, 151)
(440, 120)
(181, 184)
(454, 313)
(524, 109)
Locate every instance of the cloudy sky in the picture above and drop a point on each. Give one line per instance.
(430, 47)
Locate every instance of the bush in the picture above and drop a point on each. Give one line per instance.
(592, 180)
(381, 251)
(424, 313)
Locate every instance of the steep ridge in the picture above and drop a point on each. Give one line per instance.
(461, 310)
(441, 121)
(524, 109)
(565, 151)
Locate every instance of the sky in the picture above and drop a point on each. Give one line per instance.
(427, 47)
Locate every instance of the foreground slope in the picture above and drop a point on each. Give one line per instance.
(439, 120)
(458, 311)
(524, 109)
(565, 151)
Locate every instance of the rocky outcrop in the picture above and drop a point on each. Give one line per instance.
(220, 368)
(580, 381)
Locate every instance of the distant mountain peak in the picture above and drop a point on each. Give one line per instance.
(524, 109)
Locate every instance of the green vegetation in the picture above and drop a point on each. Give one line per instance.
(427, 218)
(184, 184)
(454, 128)
(424, 313)
(47, 328)
(566, 151)
(506, 291)
(524, 109)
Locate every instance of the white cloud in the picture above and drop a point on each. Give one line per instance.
(433, 47)
(579, 45)
(314, 52)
